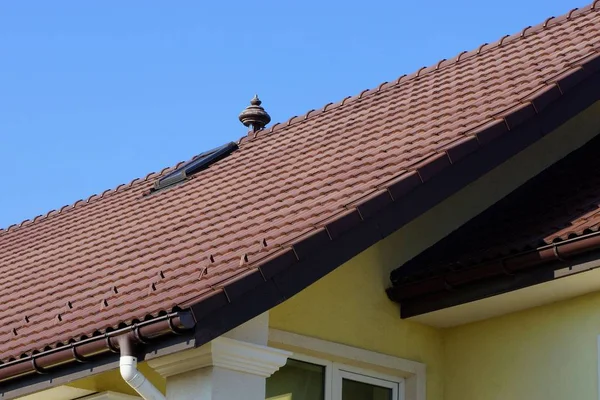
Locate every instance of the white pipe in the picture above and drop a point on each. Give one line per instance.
(135, 379)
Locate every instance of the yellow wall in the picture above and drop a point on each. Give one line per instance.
(349, 306)
(545, 353)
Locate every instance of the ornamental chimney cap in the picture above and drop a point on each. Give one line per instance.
(254, 115)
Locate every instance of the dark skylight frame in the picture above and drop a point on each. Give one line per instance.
(197, 164)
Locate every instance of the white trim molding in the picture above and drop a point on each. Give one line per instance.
(111, 396)
(58, 393)
(413, 372)
(598, 358)
(226, 353)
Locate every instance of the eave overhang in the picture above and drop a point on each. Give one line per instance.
(496, 277)
(477, 261)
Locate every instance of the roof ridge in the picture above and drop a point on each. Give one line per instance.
(91, 198)
(442, 64)
(251, 136)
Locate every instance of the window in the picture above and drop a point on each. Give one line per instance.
(309, 378)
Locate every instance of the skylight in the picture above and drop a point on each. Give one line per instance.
(197, 164)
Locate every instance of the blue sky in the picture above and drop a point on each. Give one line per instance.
(97, 93)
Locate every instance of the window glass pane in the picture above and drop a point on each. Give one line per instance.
(352, 390)
(297, 380)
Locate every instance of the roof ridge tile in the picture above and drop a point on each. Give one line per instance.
(462, 56)
(93, 197)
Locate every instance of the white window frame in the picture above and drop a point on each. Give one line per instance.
(335, 372)
(111, 396)
(409, 376)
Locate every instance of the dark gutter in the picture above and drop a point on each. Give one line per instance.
(86, 350)
(492, 277)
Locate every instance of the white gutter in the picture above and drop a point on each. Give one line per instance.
(133, 377)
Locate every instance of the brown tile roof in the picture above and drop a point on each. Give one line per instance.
(121, 256)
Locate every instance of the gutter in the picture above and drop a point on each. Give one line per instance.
(83, 350)
(563, 252)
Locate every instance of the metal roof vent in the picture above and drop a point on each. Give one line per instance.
(198, 163)
(254, 115)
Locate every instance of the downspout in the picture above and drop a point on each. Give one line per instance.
(133, 377)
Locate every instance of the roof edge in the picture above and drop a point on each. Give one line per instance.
(87, 349)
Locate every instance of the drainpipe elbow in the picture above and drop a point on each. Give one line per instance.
(129, 372)
(135, 379)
